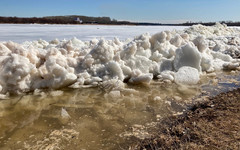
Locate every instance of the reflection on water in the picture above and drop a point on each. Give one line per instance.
(89, 118)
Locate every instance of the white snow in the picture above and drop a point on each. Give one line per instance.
(175, 56)
(29, 32)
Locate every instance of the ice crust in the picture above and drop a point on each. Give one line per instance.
(178, 56)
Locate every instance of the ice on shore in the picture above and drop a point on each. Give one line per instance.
(187, 75)
(178, 56)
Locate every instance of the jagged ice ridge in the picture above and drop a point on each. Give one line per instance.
(176, 56)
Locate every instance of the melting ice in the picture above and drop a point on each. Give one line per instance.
(173, 56)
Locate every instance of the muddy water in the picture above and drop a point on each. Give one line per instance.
(89, 118)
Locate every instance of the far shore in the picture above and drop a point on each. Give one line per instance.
(96, 24)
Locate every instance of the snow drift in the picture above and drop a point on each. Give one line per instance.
(177, 56)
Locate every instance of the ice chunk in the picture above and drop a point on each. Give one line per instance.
(114, 94)
(4, 50)
(221, 56)
(166, 75)
(206, 62)
(64, 114)
(159, 37)
(139, 62)
(187, 75)
(103, 52)
(39, 92)
(156, 56)
(127, 71)
(176, 41)
(15, 73)
(200, 43)
(111, 85)
(166, 64)
(187, 55)
(144, 52)
(166, 49)
(143, 41)
(115, 70)
(55, 76)
(230, 66)
(144, 78)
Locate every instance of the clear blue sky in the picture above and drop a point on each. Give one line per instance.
(166, 11)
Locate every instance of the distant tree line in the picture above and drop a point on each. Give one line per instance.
(62, 20)
(43, 20)
(75, 19)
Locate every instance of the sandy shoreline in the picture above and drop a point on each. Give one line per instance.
(210, 124)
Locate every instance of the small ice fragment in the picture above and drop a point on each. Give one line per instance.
(157, 98)
(64, 114)
(115, 94)
(146, 78)
(168, 102)
(177, 113)
(166, 75)
(56, 93)
(2, 96)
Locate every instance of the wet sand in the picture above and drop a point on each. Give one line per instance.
(213, 123)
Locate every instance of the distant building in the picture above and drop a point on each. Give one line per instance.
(79, 20)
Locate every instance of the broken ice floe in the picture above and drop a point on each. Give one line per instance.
(175, 56)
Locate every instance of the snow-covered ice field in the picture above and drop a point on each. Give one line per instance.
(29, 32)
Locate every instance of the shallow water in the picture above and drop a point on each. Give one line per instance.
(89, 118)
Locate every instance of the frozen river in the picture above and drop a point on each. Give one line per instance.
(28, 32)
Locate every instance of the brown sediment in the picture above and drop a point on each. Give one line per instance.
(212, 124)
